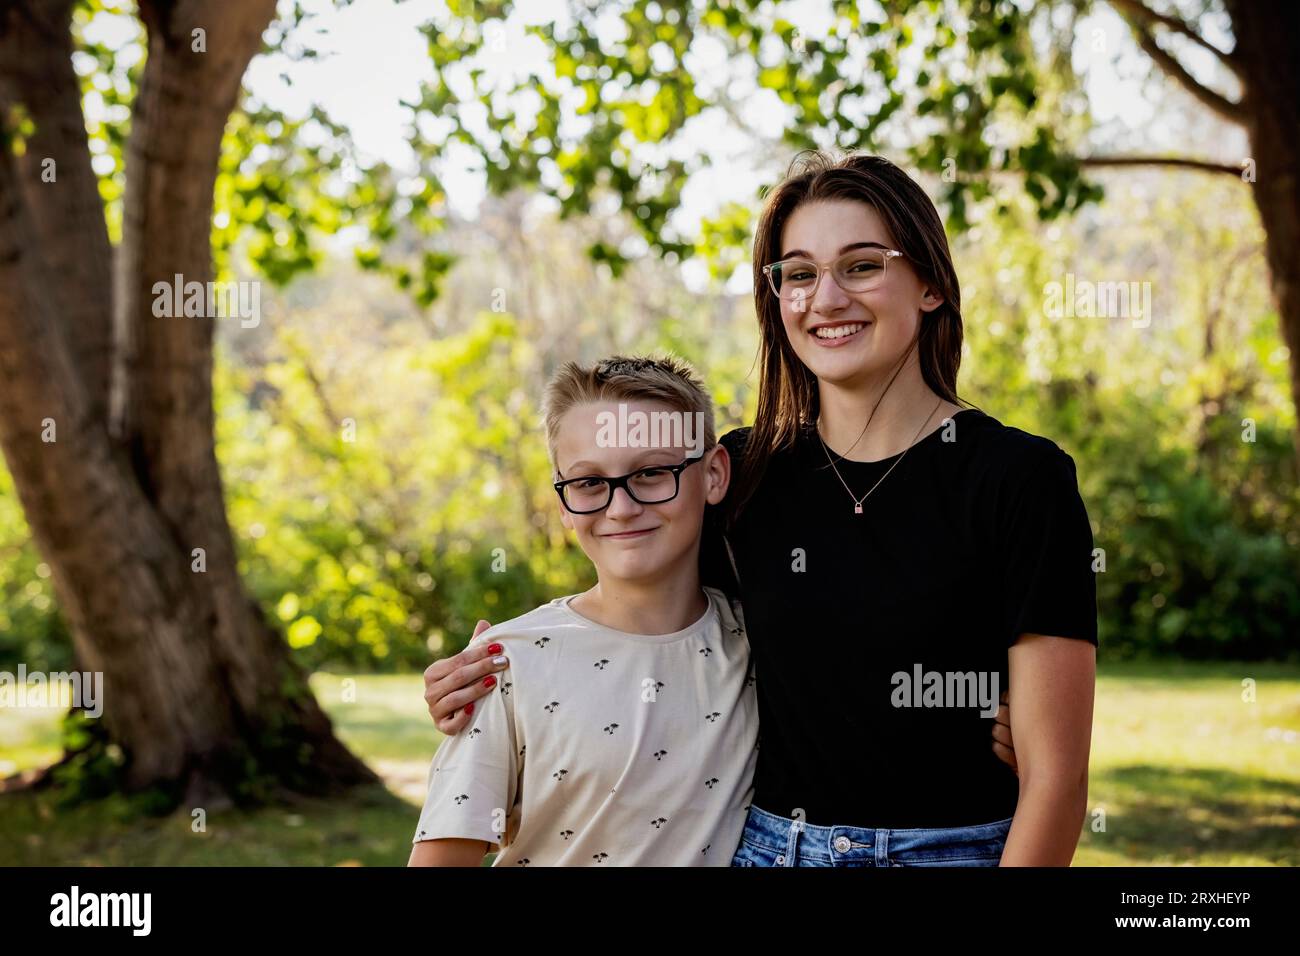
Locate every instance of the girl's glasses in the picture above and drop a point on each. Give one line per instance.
(648, 486)
(858, 271)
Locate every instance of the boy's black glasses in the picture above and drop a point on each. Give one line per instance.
(653, 485)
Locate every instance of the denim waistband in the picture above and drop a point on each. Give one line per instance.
(795, 839)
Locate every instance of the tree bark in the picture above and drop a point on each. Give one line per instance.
(1268, 51)
(36, 72)
(200, 693)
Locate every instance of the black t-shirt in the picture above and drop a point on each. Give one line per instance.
(978, 536)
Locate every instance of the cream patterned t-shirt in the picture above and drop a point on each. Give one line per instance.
(604, 748)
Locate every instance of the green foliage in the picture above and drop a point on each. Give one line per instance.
(283, 182)
(377, 528)
(93, 768)
(1200, 524)
(31, 628)
(964, 88)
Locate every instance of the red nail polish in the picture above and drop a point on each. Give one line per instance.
(494, 648)
(469, 708)
(489, 681)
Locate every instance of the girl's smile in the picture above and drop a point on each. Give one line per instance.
(834, 335)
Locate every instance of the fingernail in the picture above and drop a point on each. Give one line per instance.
(469, 708)
(494, 649)
(489, 681)
(499, 660)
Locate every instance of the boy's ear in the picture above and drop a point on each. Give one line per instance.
(719, 474)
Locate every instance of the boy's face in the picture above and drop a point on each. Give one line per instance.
(630, 540)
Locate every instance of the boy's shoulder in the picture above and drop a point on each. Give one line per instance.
(730, 614)
(529, 629)
(525, 628)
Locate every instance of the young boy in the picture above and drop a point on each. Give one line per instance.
(625, 731)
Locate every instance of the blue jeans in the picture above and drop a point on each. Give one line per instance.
(769, 840)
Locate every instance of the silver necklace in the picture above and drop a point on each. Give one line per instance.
(857, 502)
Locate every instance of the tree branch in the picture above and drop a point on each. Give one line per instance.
(1203, 165)
(1136, 9)
(1169, 64)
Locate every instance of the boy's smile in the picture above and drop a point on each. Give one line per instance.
(630, 535)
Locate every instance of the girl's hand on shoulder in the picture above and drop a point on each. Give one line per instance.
(452, 684)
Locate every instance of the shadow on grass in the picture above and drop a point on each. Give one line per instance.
(369, 827)
(1176, 815)
(1153, 815)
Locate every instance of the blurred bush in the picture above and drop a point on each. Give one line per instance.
(1180, 423)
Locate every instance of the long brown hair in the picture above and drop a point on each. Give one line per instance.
(787, 391)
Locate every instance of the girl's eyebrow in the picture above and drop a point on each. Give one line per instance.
(852, 245)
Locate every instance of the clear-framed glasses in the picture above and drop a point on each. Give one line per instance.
(652, 485)
(857, 271)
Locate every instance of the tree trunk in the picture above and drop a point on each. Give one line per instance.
(200, 693)
(1268, 48)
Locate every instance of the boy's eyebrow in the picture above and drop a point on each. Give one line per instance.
(850, 246)
(594, 468)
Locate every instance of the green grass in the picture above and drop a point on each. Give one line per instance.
(1189, 773)
(1184, 770)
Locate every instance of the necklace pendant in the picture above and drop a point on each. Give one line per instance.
(857, 507)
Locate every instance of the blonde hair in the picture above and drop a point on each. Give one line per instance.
(666, 379)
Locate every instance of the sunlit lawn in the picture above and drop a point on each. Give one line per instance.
(1184, 770)
(1187, 772)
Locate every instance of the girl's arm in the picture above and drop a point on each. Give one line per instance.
(449, 852)
(1052, 683)
(471, 777)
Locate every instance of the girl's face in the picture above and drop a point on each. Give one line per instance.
(882, 322)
